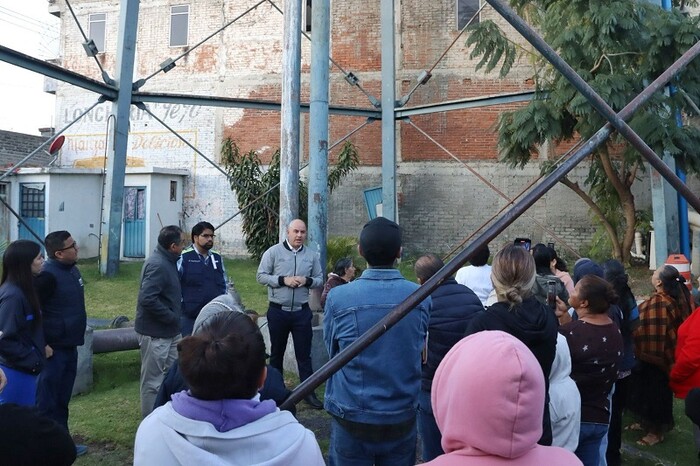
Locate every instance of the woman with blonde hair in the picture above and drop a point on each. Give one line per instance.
(520, 314)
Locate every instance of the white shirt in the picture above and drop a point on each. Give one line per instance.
(478, 279)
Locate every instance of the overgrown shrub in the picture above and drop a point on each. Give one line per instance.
(258, 195)
(344, 246)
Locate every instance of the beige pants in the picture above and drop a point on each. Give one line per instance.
(157, 355)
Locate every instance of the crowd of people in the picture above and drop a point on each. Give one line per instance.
(517, 362)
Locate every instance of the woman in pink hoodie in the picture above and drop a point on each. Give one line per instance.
(487, 399)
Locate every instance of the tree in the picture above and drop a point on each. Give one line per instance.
(258, 195)
(618, 47)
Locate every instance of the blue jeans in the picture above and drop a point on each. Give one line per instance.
(346, 450)
(429, 433)
(589, 440)
(298, 323)
(604, 442)
(55, 385)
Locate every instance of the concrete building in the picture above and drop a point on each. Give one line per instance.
(440, 201)
(13, 148)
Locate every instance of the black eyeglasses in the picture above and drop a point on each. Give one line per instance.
(207, 236)
(74, 246)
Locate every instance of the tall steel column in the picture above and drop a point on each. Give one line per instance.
(388, 103)
(291, 101)
(118, 139)
(683, 224)
(318, 128)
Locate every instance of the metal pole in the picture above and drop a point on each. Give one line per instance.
(683, 224)
(318, 129)
(366, 339)
(595, 100)
(116, 156)
(291, 100)
(27, 62)
(388, 105)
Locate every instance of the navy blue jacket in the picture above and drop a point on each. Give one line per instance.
(62, 297)
(200, 282)
(22, 342)
(454, 305)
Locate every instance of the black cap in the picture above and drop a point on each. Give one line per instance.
(380, 241)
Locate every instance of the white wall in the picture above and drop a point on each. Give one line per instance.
(72, 203)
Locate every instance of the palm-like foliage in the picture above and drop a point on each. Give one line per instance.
(618, 47)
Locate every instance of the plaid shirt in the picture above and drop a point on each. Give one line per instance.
(655, 338)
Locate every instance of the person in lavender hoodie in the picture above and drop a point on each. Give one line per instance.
(220, 420)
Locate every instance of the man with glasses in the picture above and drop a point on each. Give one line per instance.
(62, 297)
(158, 304)
(202, 275)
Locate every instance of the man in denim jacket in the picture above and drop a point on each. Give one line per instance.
(373, 398)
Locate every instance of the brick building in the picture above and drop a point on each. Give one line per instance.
(440, 201)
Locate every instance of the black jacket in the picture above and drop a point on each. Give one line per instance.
(160, 296)
(22, 340)
(62, 297)
(536, 326)
(454, 306)
(28, 438)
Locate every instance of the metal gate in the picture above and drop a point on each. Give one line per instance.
(32, 209)
(134, 221)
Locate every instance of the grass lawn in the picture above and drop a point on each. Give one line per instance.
(107, 417)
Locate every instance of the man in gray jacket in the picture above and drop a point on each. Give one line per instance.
(158, 313)
(289, 270)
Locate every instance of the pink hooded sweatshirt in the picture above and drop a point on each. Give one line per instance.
(487, 398)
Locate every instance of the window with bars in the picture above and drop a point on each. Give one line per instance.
(179, 25)
(32, 200)
(97, 23)
(466, 9)
(134, 203)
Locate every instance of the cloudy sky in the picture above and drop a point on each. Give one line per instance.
(26, 26)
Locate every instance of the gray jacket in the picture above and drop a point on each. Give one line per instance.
(280, 261)
(159, 300)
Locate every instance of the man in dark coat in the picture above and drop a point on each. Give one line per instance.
(62, 297)
(157, 321)
(454, 305)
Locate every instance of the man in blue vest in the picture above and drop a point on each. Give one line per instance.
(62, 297)
(202, 275)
